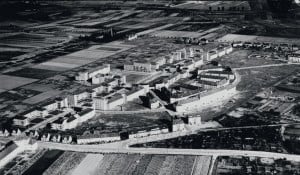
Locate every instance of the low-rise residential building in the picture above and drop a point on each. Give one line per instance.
(21, 121)
(194, 120)
(4, 133)
(148, 132)
(294, 58)
(98, 138)
(67, 139)
(178, 125)
(46, 137)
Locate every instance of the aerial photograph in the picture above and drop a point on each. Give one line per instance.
(149, 87)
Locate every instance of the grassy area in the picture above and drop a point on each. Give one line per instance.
(115, 123)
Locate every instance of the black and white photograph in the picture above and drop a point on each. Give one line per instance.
(149, 87)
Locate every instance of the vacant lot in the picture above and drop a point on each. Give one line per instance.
(108, 123)
(8, 82)
(254, 38)
(245, 58)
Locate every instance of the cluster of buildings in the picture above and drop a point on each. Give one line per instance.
(50, 137)
(177, 124)
(13, 132)
(186, 58)
(46, 110)
(255, 165)
(210, 87)
(109, 91)
(70, 121)
(265, 45)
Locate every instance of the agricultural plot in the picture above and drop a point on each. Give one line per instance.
(82, 57)
(137, 164)
(88, 164)
(201, 165)
(33, 73)
(192, 27)
(39, 87)
(218, 5)
(44, 162)
(65, 66)
(10, 82)
(49, 67)
(30, 40)
(41, 97)
(7, 55)
(175, 34)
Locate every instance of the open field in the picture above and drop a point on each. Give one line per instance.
(262, 39)
(115, 123)
(245, 58)
(107, 123)
(10, 82)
